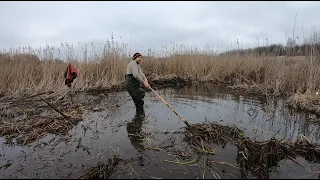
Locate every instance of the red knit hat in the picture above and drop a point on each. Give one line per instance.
(136, 55)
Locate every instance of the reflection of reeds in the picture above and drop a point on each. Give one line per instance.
(275, 114)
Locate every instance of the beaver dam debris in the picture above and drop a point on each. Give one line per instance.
(254, 157)
(23, 119)
(33, 129)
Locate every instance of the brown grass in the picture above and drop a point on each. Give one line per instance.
(30, 71)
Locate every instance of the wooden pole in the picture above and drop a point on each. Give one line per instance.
(182, 119)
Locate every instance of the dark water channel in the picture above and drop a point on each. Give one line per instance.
(150, 146)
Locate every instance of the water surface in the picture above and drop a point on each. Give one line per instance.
(143, 144)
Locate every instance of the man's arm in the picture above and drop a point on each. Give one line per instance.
(142, 74)
(135, 73)
(146, 83)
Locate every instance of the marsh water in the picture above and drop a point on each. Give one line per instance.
(149, 146)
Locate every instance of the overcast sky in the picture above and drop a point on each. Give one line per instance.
(155, 24)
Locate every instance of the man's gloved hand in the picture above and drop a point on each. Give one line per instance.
(146, 84)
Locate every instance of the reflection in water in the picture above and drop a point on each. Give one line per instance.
(134, 129)
(259, 118)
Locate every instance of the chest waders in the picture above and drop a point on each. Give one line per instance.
(132, 86)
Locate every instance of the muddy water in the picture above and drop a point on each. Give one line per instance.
(151, 147)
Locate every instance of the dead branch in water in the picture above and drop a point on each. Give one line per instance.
(56, 109)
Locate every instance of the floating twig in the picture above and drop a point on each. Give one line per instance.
(226, 163)
(182, 163)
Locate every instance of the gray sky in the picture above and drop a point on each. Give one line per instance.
(155, 24)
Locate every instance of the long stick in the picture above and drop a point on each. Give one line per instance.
(182, 119)
(67, 117)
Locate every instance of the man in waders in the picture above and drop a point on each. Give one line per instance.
(133, 78)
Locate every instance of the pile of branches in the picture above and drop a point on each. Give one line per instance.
(21, 119)
(253, 156)
(213, 132)
(28, 131)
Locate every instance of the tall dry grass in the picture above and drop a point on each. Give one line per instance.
(29, 71)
